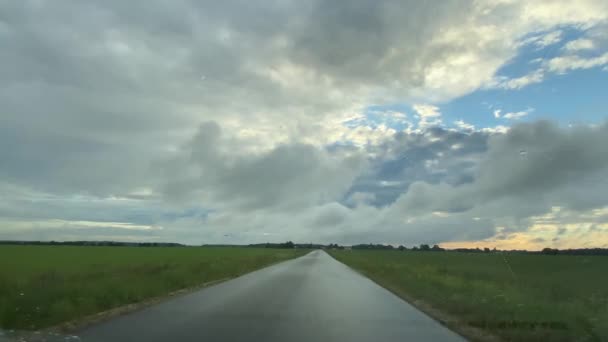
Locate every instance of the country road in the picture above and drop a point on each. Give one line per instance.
(312, 298)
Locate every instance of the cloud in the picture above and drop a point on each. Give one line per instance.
(427, 111)
(512, 115)
(464, 125)
(429, 115)
(547, 39)
(65, 224)
(516, 115)
(579, 44)
(559, 166)
(566, 63)
(418, 187)
(287, 176)
(536, 76)
(429, 156)
(557, 65)
(371, 128)
(205, 120)
(586, 52)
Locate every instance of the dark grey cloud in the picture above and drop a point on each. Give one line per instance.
(287, 176)
(560, 167)
(437, 155)
(367, 32)
(61, 163)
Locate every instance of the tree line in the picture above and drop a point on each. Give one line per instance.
(292, 245)
(93, 243)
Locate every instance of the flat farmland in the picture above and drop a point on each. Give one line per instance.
(515, 297)
(42, 286)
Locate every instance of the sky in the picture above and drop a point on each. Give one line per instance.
(461, 123)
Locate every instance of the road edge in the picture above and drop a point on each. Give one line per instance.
(81, 323)
(76, 325)
(449, 321)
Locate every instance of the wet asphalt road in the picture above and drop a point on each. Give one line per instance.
(312, 298)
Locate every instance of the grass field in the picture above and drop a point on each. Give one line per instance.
(514, 297)
(41, 286)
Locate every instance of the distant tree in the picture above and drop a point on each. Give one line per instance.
(550, 251)
(425, 247)
(486, 250)
(436, 248)
(401, 248)
(415, 248)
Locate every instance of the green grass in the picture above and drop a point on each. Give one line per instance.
(544, 298)
(41, 286)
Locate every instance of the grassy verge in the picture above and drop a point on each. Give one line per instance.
(513, 297)
(42, 286)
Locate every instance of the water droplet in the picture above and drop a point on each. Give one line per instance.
(523, 153)
(22, 294)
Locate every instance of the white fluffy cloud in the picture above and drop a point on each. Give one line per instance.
(567, 63)
(427, 111)
(533, 77)
(429, 115)
(464, 125)
(516, 115)
(547, 39)
(498, 114)
(579, 44)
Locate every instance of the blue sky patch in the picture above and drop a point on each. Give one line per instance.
(573, 97)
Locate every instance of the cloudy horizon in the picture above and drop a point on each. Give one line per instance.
(462, 123)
